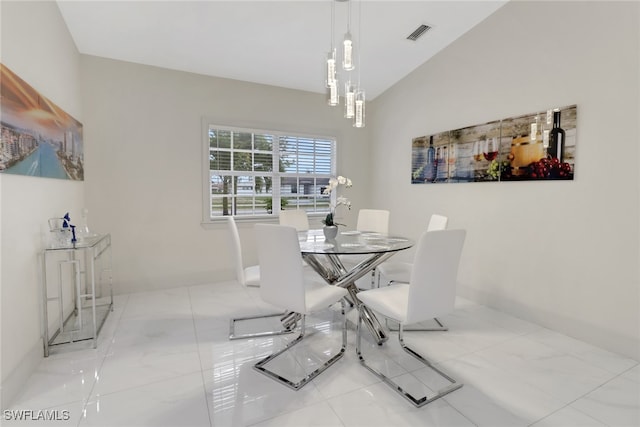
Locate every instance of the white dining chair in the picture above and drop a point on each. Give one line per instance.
(398, 271)
(296, 218)
(248, 276)
(373, 220)
(284, 285)
(430, 293)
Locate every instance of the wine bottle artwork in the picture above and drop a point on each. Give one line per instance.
(535, 146)
(431, 168)
(453, 154)
(442, 156)
(556, 138)
(546, 129)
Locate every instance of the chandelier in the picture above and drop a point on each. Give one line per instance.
(354, 97)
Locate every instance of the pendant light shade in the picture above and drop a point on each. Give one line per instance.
(358, 119)
(347, 52)
(349, 100)
(353, 99)
(331, 69)
(333, 97)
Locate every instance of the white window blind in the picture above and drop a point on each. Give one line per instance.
(256, 173)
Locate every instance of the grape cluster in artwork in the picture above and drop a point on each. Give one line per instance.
(551, 168)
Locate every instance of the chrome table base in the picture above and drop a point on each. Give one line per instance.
(334, 272)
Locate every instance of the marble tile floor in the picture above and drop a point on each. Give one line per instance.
(163, 359)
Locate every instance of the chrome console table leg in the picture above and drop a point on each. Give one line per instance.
(84, 289)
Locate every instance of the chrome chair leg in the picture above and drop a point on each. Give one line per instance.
(440, 327)
(416, 401)
(288, 319)
(260, 366)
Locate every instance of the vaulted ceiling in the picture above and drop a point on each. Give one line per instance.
(280, 43)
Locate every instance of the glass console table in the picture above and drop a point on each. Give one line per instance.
(81, 308)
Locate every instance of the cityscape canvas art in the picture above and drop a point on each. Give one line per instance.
(38, 137)
(536, 146)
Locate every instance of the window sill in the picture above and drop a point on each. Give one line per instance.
(315, 221)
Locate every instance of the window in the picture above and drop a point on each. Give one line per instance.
(250, 172)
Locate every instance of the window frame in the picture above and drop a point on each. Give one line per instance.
(275, 174)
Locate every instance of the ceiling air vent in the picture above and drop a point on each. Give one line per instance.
(418, 32)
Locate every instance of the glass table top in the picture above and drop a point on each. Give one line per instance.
(82, 243)
(351, 242)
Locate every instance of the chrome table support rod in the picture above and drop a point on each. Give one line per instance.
(339, 276)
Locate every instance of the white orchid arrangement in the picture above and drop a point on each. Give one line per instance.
(334, 183)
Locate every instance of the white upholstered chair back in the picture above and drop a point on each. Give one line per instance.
(296, 218)
(281, 275)
(376, 220)
(432, 288)
(437, 222)
(236, 250)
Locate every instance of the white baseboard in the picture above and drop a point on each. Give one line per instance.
(123, 286)
(579, 329)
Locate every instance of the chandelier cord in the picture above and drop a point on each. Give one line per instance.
(359, 51)
(333, 23)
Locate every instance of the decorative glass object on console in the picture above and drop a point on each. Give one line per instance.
(60, 235)
(82, 230)
(63, 233)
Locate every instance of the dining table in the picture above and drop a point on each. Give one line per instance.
(369, 249)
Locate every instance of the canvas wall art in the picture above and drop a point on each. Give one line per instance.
(536, 146)
(38, 137)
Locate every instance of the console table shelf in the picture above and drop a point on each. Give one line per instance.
(81, 309)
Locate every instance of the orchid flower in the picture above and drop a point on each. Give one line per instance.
(334, 183)
(341, 200)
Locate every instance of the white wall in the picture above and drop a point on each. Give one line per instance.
(37, 47)
(533, 249)
(143, 168)
(562, 254)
